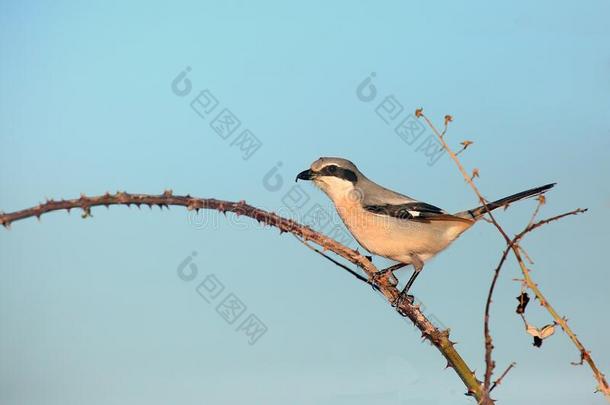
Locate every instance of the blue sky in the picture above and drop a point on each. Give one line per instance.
(94, 310)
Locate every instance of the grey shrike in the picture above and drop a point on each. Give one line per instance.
(390, 224)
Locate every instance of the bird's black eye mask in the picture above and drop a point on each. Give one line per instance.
(336, 171)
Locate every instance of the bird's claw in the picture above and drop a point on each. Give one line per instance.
(382, 276)
(402, 297)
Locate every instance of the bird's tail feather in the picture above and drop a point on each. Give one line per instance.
(478, 212)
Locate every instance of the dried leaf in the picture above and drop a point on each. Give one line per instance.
(547, 331)
(466, 144)
(541, 199)
(419, 112)
(532, 330)
(448, 119)
(540, 334)
(523, 299)
(475, 173)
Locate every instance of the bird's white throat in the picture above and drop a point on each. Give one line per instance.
(338, 189)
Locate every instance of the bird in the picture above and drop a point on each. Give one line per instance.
(393, 225)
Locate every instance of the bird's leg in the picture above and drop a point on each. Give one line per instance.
(418, 266)
(382, 274)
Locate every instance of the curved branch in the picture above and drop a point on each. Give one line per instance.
(438, 338)
(490, 364)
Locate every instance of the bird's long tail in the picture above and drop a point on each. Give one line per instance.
(478, 212)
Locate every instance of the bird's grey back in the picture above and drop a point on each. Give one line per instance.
(374, 194)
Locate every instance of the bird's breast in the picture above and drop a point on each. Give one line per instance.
(395, 238)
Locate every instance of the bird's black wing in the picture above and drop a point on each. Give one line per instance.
(413, 210)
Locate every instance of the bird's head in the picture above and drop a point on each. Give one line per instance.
(337, 177)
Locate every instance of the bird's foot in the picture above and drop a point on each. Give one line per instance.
(400, 300)
(383, 277)
(387, 274)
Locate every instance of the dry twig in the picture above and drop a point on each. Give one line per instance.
(501, 378)
(527, 279)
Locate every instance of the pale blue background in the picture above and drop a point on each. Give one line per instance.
(92, 311)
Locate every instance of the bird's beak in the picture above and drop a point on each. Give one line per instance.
(305, 175)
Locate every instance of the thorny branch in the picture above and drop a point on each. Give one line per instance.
(489, 362)
(387, 286)
(499, 380)
(438, 338)
(512, 245)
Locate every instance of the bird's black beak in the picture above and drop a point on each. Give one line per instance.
(304, 175)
